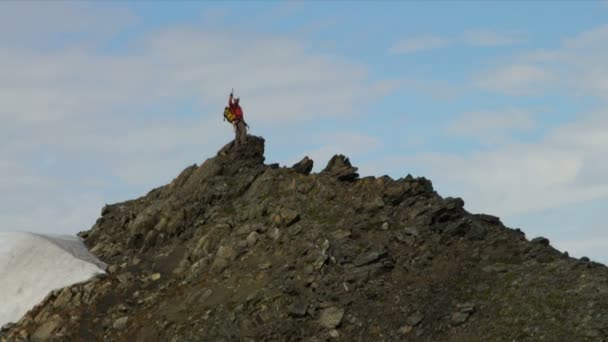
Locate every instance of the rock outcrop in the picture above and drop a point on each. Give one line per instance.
(304, 166)
(236, 250)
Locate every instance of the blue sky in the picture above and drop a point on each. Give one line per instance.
(500, 103)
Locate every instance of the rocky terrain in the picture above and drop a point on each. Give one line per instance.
(238, 250)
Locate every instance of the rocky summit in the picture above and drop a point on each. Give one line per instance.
(238, 250)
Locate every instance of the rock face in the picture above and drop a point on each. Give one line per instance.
(236, 250)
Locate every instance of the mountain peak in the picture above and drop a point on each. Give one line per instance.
(235, 249)
(252, 150)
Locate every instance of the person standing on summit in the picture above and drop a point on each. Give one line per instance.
(239, 124)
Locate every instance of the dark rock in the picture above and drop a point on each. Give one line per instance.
(339, 167)
(304, 166)
(541, 241)
(414, 319)
(459, 228)
(489, 219)
(253, 150)
(106, 210)
(476, 231)
(370, 257)
(286, 217)
(298, 308)
(454, 203)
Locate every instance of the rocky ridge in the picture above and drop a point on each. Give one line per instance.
(237, 250)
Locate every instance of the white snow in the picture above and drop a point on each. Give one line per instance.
(32, 265)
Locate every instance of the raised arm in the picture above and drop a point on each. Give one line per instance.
(230, 100)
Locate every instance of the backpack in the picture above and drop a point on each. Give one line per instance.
(228, 115)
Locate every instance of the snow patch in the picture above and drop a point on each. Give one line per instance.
(33, 265)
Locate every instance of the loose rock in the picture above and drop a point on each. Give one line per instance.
(121, 323)
(331, 317)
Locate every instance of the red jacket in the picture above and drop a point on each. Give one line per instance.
(235, 109)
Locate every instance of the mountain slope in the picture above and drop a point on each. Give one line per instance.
(236, 250)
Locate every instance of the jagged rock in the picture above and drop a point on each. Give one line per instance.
(253, 149)
(339, 167)
(304, 166)
(286, 217)
(369, 257)
(64, 298)
(46, 329)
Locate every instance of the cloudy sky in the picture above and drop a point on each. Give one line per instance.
(501, 103)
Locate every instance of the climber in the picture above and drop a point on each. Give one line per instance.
(235, 112)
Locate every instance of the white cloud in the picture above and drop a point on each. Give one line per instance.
(436, 89)
(473, 37)
(492, 126)
(485, 37)
(48, 24)
(516, 79)
(594, 38)
(417, 44)
(577, 67)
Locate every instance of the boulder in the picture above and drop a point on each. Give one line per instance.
(340, 167)
(304, 166)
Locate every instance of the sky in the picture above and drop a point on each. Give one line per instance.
(500, 103)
